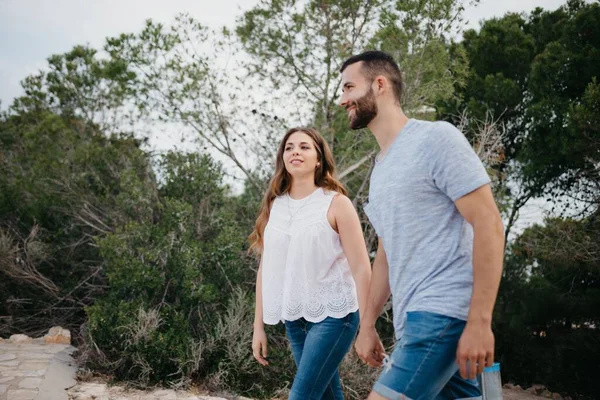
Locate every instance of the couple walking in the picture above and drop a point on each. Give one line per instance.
(439, 253)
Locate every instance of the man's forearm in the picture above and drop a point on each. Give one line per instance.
(488, 254)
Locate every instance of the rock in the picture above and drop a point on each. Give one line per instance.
(518, 387)
(531, 390)
(508, 386)
(20, 339)
(92, 389)
(556, 396)
(547, 394)
(539, 389)
(165, 394)
(58, 335)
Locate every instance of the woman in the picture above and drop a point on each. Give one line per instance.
(314, 272)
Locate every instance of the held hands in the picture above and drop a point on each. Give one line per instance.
(475, 347)
(369, 347)
(259, 346)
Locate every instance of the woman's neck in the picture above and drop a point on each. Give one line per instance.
(302, 187)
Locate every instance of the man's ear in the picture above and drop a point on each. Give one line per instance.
(380, 82)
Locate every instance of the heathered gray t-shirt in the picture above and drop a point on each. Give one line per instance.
(428, 244)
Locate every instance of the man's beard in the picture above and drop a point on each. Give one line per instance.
(365, 109)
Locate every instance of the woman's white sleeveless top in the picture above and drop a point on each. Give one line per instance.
(304, 270)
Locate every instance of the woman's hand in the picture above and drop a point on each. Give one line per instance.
(259, 346)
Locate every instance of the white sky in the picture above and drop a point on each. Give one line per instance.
(32, 30)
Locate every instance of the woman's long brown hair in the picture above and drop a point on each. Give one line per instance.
(281, 182)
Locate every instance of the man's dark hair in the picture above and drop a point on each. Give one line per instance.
(376, 63)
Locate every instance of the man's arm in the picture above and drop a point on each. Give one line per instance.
(476, 345)
(368, 345)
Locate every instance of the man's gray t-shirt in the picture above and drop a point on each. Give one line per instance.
(428, 243)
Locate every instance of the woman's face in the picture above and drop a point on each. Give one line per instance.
(300, 155)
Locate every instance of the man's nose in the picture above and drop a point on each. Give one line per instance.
(342, 101)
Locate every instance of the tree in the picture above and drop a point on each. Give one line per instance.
(296, 49)
(547, 314)
(531, 73)
(63, 183)
(80, 84)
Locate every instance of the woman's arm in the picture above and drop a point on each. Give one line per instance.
(353, 242)
(259, 337)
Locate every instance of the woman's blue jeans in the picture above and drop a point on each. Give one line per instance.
(318, 350)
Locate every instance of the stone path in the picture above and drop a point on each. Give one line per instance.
(34, 370)
(100, 391)
(511, 394)
(43, 369)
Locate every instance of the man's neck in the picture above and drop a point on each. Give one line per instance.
(387, 126)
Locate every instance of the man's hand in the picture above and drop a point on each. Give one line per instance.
(369, 347)
(475, 347)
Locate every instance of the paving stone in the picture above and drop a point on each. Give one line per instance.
(30, 383)
(36, 356)
(7, 357)
(12, 363)
(14, 373)
(55, 348)
(21, 394)
(33, 365)
(7, 379)
(3, 389)
(33, 347)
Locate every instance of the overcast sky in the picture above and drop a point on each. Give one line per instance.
(32, 30)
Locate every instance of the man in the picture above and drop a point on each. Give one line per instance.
(441, 243)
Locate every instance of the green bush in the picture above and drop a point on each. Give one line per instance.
(547, 318)
(177, 305)
(63, 183)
